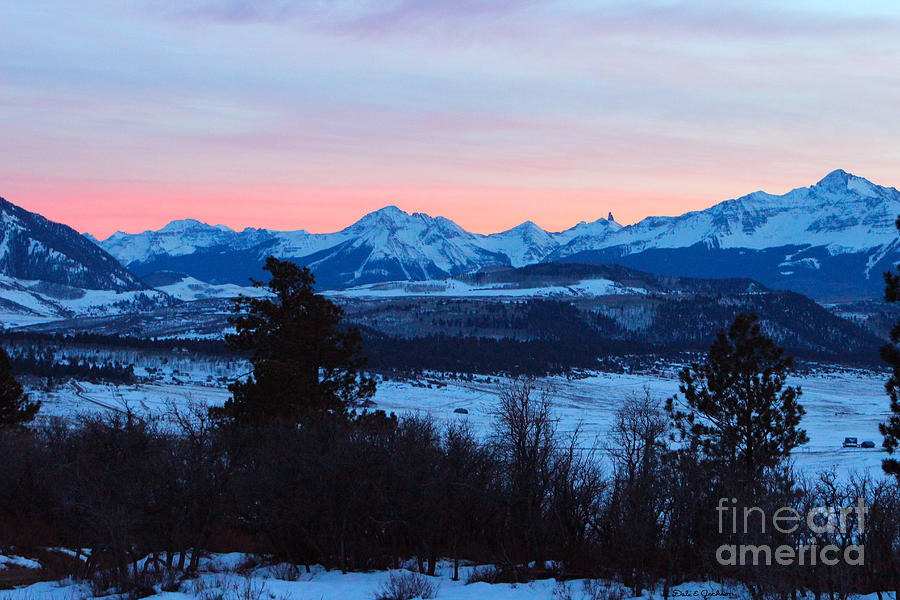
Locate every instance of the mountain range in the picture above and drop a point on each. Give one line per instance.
(829, 240)
(386, 245)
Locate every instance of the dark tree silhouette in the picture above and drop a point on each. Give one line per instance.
(304, 362)
(891, 355)
(740, 415)
(15, 407)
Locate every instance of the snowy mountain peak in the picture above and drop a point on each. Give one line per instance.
(389, 216)
(184, 225)
(841, 214)
(840, 181)
(836, 179)
(528, 228)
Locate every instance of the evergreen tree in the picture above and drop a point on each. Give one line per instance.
(739, 413)
(15, 407)
(891, 355)
(303, 361)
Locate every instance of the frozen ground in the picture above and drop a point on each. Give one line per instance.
(458, 289)
(839, 404)
(269, 583)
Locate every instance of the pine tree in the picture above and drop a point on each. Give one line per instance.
(304, 361)
(891, 355)
(15, 407)
(739, 414)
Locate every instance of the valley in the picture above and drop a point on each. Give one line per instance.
(839, 402)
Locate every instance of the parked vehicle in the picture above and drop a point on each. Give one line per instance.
(867, 444)
(851, 442)
(461, 411)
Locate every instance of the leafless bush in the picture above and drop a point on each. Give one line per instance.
(285, 572)
(594, 589)
(224, 587)
(486, 574)
(135, 584)
(562, 591)
(405, 585)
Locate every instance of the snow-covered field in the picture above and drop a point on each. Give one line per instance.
(218, 580)
(453, 288)
(839, 404)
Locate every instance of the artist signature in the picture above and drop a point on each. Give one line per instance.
(702, 594)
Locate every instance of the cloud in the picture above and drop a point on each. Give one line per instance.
(560, 19)
(706, 98)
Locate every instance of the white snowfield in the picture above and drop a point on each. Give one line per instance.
(218, 579)
(18, 561)
(838, 403)
(191, 288)
(460, 289)
(26, 302)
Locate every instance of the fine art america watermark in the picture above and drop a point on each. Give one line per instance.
(819, 522)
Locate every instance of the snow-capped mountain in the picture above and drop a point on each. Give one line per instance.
(833, 239)
(842, 212)
(385, 245)
(179, 238)
(36, 249)
(828, 240)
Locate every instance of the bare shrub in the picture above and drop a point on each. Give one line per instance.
(562, 591)
(405, 585)
(134, 585)
(224, 587)
(251, 589)
(486, 574)
(285, 572)
(595, 589)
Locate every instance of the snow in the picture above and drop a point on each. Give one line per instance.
(179, 238)
(842, 213)
(455, 288)
(26, 302)
(838, 403)
(838, 213)
(190, 289)
(264, 583)
(18, 561)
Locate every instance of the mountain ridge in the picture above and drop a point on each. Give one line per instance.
(34, 248)
(830, 239)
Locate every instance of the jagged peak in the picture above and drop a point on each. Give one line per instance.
(838, 177)
(189, 224)
(841, 181)
(388, 214)
(392, 212)
(526, 227)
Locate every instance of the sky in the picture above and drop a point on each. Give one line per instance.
(125, 115)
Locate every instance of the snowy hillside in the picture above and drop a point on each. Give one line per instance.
(34, 248)
(458, 289)
(27, 302)
(187, 288)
